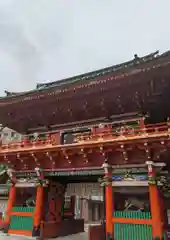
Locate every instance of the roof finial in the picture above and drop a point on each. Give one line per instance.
(136, 56)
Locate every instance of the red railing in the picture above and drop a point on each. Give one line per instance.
(122, 133)
(126, 133)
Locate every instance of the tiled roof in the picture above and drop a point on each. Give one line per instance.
(91, 75)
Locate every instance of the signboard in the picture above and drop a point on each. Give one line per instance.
(65, 173)
(75, 173)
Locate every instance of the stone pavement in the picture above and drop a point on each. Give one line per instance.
(82, 236)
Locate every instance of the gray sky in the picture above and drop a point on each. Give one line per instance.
(46, 40)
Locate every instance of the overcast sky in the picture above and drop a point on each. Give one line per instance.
(46, 40)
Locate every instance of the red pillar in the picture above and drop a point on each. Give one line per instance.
(163, 212)
(108, 202)
(157, 225)
(38, 207)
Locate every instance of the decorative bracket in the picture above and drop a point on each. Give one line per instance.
(12, 176)
(85, 157)
(107, 179)
(66, 156)
(42, 181)
(102, 152)
(124, 153)
(147, 150)
(35, 159)
(50, 158)
(151, 171)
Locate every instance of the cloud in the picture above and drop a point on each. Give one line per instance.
(46, 40)
(20, 53)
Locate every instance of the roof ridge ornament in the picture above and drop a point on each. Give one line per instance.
(12, 94)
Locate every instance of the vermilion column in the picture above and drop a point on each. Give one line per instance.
(38, 208)
(163, 212)
(108, 202)
(11, 200)
(157, 226)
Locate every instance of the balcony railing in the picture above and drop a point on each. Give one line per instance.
(103, 135)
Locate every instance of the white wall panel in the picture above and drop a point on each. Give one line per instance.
(3, 205)
(85, 190)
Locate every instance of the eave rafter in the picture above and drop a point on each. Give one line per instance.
(84, 154)
(6, 159)
(103, 152)
(35, 159)
(66, 155)
(51, 159)
(119, 104)
(162, 150)
(23, 163)
(147, 151)
(124, 153)
(103, 105)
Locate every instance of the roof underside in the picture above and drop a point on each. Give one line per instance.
(140, 85)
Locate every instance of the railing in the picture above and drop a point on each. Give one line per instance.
(130, 132)
(106, 134)
(128, 225)
(22, 220)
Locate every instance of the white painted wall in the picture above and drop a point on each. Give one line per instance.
(3, 205)
(8, 135)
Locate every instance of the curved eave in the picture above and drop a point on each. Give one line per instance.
(19, 118)
(85, 79)
(20, 111)
(104, 71)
